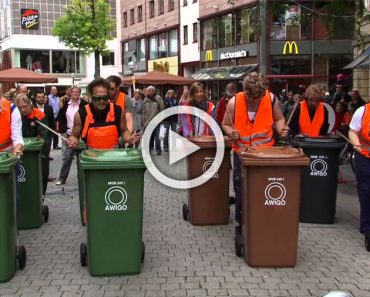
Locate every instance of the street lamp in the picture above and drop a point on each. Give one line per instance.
(73, 79)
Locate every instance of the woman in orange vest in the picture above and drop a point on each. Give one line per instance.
(101, 122)
(249, 121)
(359, 135)
(192, 125)
(311, 116)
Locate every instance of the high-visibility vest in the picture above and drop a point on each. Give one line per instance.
(259, 132)
(121, 100)
(36, 114)
(365, 132)
(5, 125)
(100, 135)
(308, 127)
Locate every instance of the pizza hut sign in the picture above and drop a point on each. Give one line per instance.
(29, 18)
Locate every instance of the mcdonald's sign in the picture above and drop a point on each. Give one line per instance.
(209, 56)
(291, 46)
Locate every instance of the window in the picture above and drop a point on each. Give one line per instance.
(185, 35)
(171, 5)
(132, 16)
(140, 50)
(185, 3)
(162, 45)
(151, 9)
(124, 19)
(226, 31)
(209, 32)
(161, 7)
(37, 61)
(246, 26)
(173, 40)
(65, 62)
(195, 32)
(287, 65)
(195, 1)
(108, 59)
(139, 13)
(153, 48)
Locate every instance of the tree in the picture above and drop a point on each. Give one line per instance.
(87, 26)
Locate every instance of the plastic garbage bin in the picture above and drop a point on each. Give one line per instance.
(80, 177)
(270, 204)
(320, 179)
(9, 253)
(31, 211)
(208, 204)
(114, 187)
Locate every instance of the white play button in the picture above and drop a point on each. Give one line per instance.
(183, 148)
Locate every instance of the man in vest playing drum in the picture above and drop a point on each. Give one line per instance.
(249, 120)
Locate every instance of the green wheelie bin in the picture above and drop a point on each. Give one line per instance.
(80, 177)
(9, 253)
(114, 189)
(31, 211)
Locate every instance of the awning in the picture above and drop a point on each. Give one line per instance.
(360, 60)
(227, 73)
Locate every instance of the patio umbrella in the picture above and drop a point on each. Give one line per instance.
(158, 78)
(21, 75)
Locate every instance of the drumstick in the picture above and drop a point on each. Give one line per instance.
(292, 113)
(51, 130)
(348, 140)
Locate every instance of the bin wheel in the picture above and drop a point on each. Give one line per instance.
(367, 243)
(142, 252)
(83, 254)
(238, 245)
(45, 213)
(185, 212)
(231, 200)
(21, 257)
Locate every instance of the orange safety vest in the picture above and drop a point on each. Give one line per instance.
(100, 136)
(36, 114)
(308, 128)
(206, 128)
(365, 132)
(121, 100)
(259, 133)
(5, 125)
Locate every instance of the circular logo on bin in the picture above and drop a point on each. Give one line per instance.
(21, 178)
(275, 193)
(186, 148)
(116, 199)
(210, 171)
(319, 167)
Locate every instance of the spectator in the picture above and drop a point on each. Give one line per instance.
(137, 102)
(288, 105)
(356, 98)
(171, 121)
(183, 101)
(53, 101)
(340, 111)
(221, 105)
(340, 95)
(65, 98)
(328, 99)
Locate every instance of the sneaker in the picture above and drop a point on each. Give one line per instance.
(159, 153)
(60, 182)
(57, 148)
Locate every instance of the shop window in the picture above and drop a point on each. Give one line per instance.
(141, 50)
(209, 34)
(108, 59)
(226, 31)
(162, 45)
(289, 22)
(246, 26)
(153, 48)
(37, 61)
(173, 40)
(65, 62)
(289, 65)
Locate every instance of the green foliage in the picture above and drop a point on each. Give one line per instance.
(86, 25)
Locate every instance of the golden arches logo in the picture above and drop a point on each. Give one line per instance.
(209, 56)
(291, 46)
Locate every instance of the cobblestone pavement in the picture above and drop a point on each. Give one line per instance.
(183, 260)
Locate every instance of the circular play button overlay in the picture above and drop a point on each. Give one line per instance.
(187, 148)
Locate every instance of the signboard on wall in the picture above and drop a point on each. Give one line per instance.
(169, 65)
(29, 18)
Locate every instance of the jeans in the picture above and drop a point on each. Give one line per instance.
(237, 184)
(154, 140)
(67, 158)
(362, 165)
(55, 141)
(166, 142)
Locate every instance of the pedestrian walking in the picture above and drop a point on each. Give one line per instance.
(171, 121)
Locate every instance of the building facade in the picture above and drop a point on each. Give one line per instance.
(25, 33)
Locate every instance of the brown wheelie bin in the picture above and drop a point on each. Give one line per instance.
(208, 204)
(271, 203)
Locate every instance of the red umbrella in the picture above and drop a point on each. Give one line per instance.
(6, 64)
(21, 75)
(158, 78)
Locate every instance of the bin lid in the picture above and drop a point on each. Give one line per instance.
(334, 142)
(7, 162)
(33, 144)
(209, 141)
(275, 155)
(108, 159)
